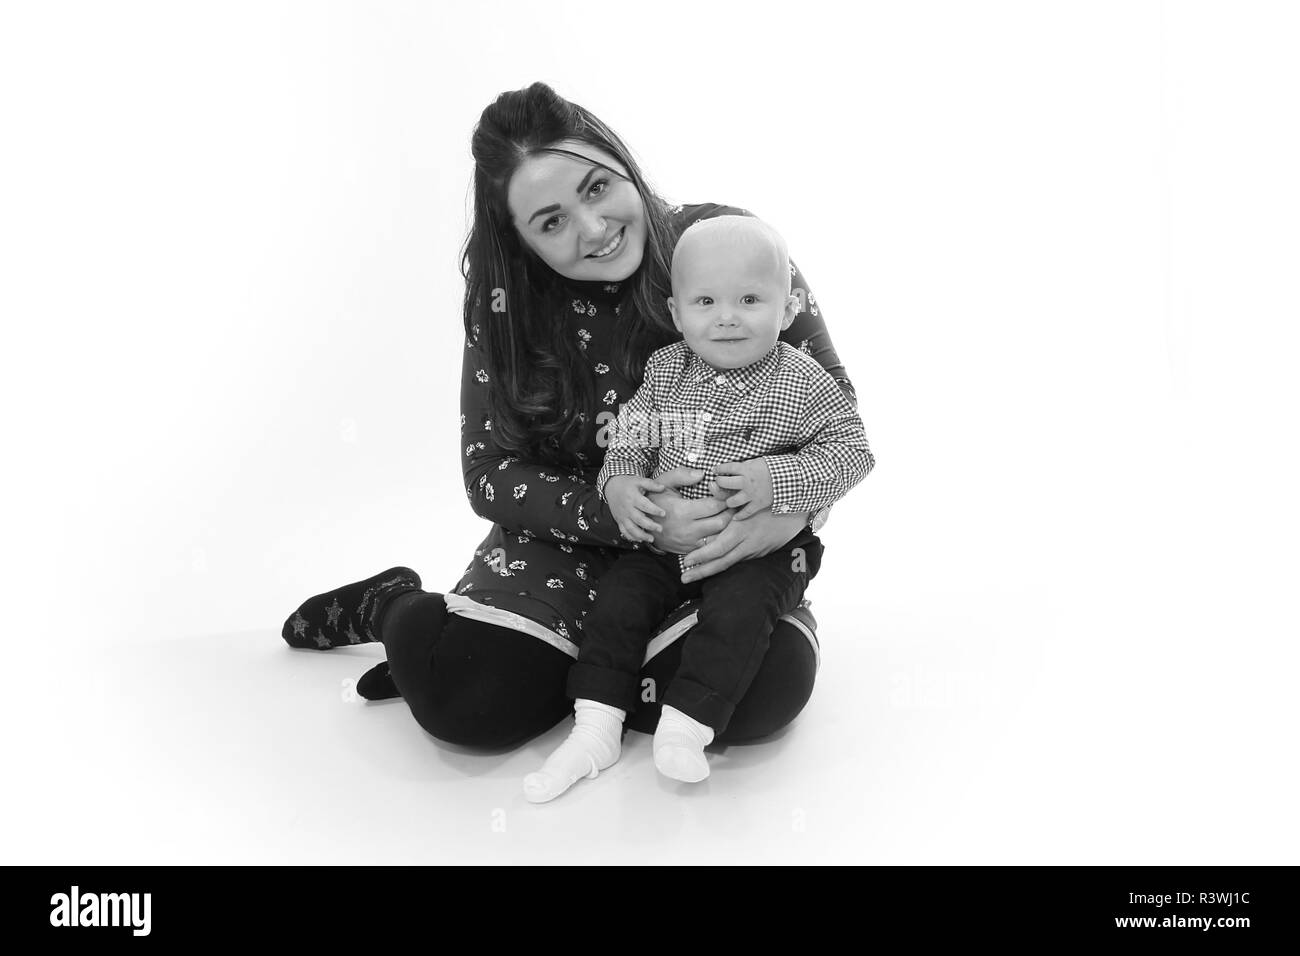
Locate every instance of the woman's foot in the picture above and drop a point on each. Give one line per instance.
(347, 615)
(377, 683)
(679, 746)
(593, 745)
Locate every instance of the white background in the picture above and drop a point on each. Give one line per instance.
(1056, 246)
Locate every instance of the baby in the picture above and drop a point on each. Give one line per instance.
(768, 427)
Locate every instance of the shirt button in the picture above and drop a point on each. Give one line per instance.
(708, 417)
(720, 379)
(783, 508)
(692, 456)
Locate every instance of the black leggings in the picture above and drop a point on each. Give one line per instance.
(480, 685)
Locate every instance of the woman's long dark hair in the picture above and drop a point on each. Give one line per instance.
(540, 382)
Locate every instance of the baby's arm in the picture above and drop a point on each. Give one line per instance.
(629, 459)
(833, 456)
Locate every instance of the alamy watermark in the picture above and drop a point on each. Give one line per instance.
(102, 909)
(630, 428)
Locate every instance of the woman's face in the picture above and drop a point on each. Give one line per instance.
(567, 211)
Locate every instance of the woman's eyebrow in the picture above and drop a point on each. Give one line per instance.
(543, 211)
(554, 206)
(583, 185)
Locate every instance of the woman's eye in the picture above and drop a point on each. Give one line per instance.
(603, 183)
(546, 226)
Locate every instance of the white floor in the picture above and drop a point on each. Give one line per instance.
(934, 736)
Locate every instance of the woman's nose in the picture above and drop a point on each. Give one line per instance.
(592, 226)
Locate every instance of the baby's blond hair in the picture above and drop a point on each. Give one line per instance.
(739, 229)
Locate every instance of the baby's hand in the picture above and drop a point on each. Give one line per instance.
(631, 508)
(751, 482)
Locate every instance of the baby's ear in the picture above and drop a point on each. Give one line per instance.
(672, 310)
(792, 308)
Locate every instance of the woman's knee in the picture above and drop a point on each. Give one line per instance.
(780, 690)
(491, 687)
(411, 627)
(776, 696)
(487, 713)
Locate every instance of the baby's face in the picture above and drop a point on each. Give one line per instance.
(730, 301)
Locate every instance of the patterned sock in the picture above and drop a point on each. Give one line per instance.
(679, 746)
(347, 615)
(593, 745)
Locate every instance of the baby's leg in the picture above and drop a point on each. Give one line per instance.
(679, 746)
(633, 597)
(723, 652)
(593, 745)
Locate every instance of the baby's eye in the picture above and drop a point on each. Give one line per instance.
(749, 299)
(705, 300)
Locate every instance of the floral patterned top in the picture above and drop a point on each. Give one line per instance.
(552, 536)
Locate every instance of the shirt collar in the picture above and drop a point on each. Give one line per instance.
(738, 380)
(598, 290)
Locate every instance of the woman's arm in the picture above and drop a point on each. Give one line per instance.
(544, 501)
(754, 537)
(808, 333)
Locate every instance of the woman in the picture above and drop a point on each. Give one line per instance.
(567, 274)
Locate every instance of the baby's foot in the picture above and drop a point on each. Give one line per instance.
(679, 746)
(347, 615)
(593, 745)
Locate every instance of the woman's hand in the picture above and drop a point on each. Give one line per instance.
(687, 522)
(740, 540)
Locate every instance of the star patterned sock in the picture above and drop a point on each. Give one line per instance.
(593, 745)
(679, 746)
(347, 615)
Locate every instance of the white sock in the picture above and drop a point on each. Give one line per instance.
(679, 746)
(593, 745)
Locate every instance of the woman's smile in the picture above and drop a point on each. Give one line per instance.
(611, 248)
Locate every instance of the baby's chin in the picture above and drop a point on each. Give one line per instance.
(722, 356)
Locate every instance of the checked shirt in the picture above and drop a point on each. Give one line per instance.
(785, 408)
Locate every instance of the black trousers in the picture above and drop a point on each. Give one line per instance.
(480, 685)
(722, 653)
